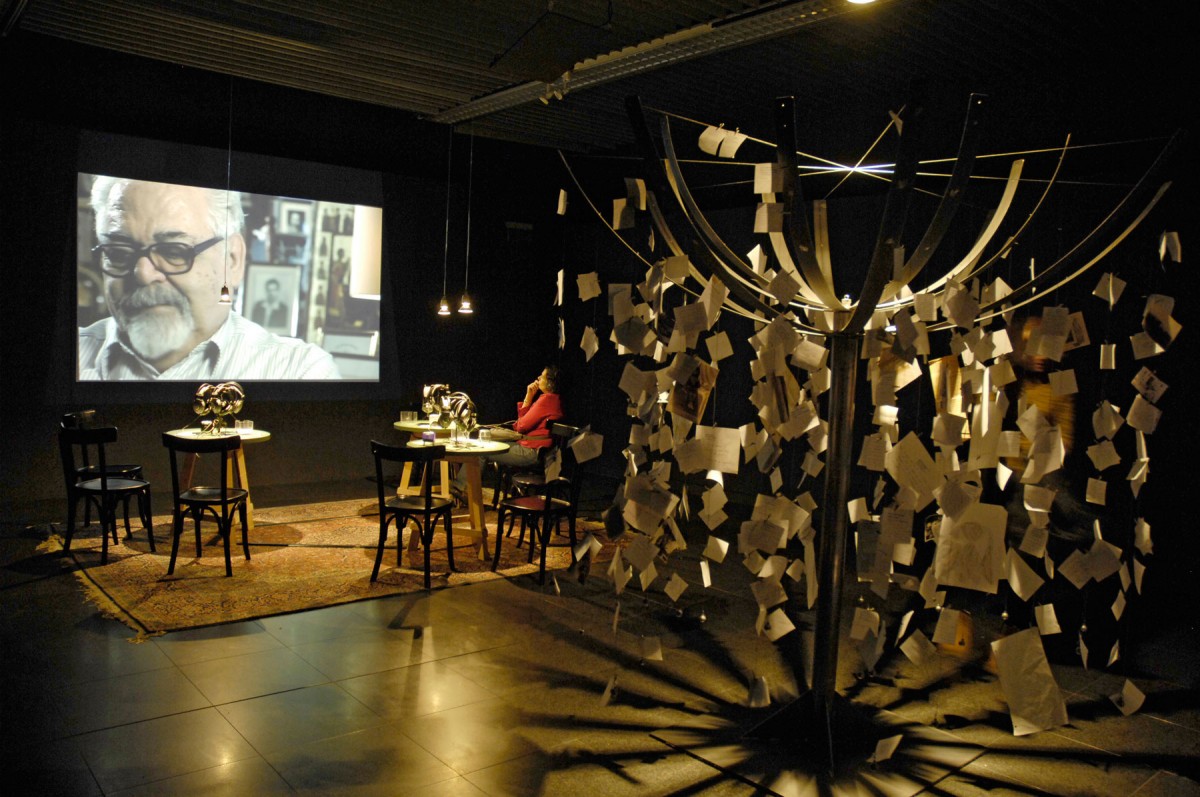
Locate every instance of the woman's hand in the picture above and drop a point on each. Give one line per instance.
(531, 392)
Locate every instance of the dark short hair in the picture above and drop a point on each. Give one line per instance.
(554, 377)
(270, 282)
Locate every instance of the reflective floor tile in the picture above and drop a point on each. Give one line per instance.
(252, 675)
(129, 698)
(251, 776)
(294, 718)
(143, 752)
(379, 761)
(415, 690)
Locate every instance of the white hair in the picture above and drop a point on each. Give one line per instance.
(226, 217)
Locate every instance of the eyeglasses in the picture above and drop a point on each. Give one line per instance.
(169, 257)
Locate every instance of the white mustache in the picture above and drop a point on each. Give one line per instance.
(153, 295)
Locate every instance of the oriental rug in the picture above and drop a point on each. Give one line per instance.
(301, 557)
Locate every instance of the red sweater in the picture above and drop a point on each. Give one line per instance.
(535, 420)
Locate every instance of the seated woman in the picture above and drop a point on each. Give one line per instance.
(542, 406)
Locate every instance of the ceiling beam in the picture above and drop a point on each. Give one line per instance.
(694, 42)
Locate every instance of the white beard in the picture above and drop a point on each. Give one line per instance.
(152, 332)
(155, 334)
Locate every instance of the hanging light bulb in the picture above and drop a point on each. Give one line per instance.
(444, 307)
(226, 296)
(464, 306)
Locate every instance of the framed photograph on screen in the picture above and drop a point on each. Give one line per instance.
(272, 297)
(295, 217)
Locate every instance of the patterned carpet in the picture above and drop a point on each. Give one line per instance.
(302, 557)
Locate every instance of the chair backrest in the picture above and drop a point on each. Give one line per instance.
(570, 477)
(74, 438)
(562, 433)
(206, 444)
(422, 456)
(223, 444)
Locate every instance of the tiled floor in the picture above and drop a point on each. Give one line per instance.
(498, 689)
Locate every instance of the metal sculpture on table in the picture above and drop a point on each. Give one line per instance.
(221, 401)
(461, 411)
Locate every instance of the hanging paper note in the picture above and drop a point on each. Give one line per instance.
(1129, 699)
(1034, 700)
(1047, 620)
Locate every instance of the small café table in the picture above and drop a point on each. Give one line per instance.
(237, 466)
(468, 454)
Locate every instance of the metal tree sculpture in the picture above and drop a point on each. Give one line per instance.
(802, 294)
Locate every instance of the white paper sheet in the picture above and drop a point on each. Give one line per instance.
(1047, 619)
(970, 550)
(918, 648)
(1129, 699)
(1034, 700)
(589, 286)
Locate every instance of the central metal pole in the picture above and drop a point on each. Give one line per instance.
(832, 541)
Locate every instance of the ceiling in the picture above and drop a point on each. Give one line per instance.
(556, 73)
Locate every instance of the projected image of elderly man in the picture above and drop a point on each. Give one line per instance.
(165, 251)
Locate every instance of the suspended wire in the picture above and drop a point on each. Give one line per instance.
(446, 244)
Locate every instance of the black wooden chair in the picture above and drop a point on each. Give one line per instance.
(542, 514)
(424, 510)
(220, 502)
(100, 484)
(513, 481)
(84, 469)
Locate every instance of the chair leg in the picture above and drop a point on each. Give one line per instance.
(128, 531)
(383, 523)
(225, 525)
(571, 531)
(196, 519)
(532, 525)
(499, 538)
(147, 516)
(449, 541)
(501, 478)
(546, 532)
(176, 533)
(103, 511)
(244, 516)
(72, 509)
(427, 540)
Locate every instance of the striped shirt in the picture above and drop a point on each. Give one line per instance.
(240, 349)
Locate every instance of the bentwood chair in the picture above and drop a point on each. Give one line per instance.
(424, 510)
(220, 502)
(84, 469)
(513, 481)
(542, 514)
(100, 484)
